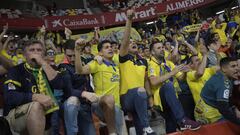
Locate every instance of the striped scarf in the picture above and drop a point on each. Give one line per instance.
(43, 86)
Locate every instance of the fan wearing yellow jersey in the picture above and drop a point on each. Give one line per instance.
(199, 74)
(163, 79)
(134, 83)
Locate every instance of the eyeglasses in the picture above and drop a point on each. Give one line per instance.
(51, 53)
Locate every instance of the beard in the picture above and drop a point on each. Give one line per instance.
(160, 57)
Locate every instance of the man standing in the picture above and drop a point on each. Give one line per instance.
(134, 84)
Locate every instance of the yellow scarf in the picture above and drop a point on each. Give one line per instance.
(43, 86)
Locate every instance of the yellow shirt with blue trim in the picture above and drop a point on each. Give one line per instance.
(196, 85)
(106, 79)
(132, 72)
(157, 69)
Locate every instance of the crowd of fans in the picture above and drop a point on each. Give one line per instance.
(123, 5)
(10, 13)
(53, 11)
(13, 14)
(65, 12)
(56, 78)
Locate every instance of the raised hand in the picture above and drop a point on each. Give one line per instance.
(130, 14)
(79, 44)
(5, 28)
(43, 29)
(96, 29)
(67, 31)
(178, 68)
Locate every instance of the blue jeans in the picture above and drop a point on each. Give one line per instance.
(135, 102)
(78, 118)
(118, 116)
(172, 108)
(56, 116)
(55, 121)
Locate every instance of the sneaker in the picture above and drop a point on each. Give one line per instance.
(189, 124)
(148, 131)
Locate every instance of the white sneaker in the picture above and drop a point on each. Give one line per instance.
(148, 131)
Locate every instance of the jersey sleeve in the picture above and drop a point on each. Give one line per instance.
(212, 70)
(13, 88)
(123, 59)
(93, 66)
(152, 71)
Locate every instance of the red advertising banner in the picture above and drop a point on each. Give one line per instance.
(22, 23)
(144, 13)
(115, 18)
(173, 6)
(74, 22)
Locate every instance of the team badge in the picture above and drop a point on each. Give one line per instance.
(151, 70)
(226, 94)
(11, 86)
(227, 84)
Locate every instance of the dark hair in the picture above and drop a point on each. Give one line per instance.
(100, 45)
(210, 40)
(114, 42)
(225, 61)
(152, 45)
(32, 42)
(69, 44)
(166, 42)
(145, 48)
